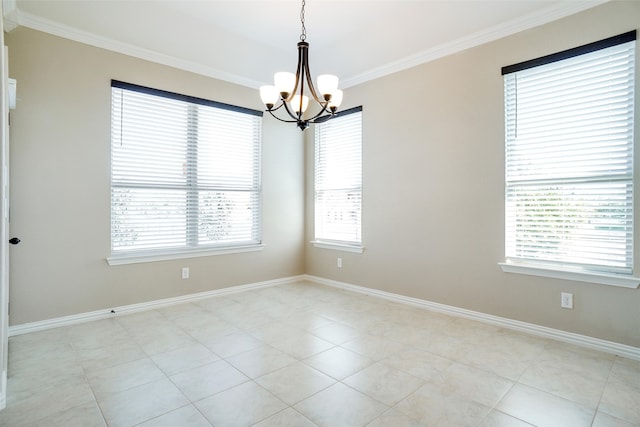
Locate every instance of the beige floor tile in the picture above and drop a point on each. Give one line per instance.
(123, 377)
(580, 359)
(272, 356)
(338, 362)
(384, 383)
(139, 404)
(60, 355)
(37, 344)
(418, 363)
(275, 330)
(578, 385)
(340, 405)
(163, 340)
(87, 415)
(605, 420)
(336, 333)
(302, 345)
(540, 408)
(472, 384)
(207, 380)
(99, 333)
(295, 382)
(305, 320)
(260, 361)
(45, 402)
(141, 321)
(394, 418)
(470, 331)
(111, 354)
(449, 347)
(187, 416)
(217, 304)
(210, 333)
(287, 418)
(185, 310)
(234, 343)
(499, 419)
(27, 382)
(431, 406)
(248, 319)
(183, 359)
(621, 399)
(195, 318)
(626, 371)
(375, 348)
(243, 405)
(504, 353)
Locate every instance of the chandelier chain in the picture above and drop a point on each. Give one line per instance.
(303, 35)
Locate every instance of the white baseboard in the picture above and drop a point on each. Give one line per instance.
(530, 328)
(26, 328)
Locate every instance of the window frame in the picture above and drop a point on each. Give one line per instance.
(573, 271)
(354, 246)
(189, 249)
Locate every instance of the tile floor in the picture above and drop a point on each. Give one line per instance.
(309, 355)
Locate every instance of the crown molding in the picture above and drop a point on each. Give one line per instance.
(14, 17)
(505, 29)
(47, 26)
(9, 15)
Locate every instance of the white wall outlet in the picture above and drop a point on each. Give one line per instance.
(339, 263)
(185, 272)
(566, 300)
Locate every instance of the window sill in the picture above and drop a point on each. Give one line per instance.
(151, 257)
(337, 246)
(611, 279)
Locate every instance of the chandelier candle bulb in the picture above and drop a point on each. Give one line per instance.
(285, 82)
(295, 103)
(327, 85)
(269, 95)
(336, 100)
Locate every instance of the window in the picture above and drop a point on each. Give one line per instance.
(338, 180)
(569, 159)
(185, 175)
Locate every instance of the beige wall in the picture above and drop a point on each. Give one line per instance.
(60, 142)
(433, 211)
(433, 188)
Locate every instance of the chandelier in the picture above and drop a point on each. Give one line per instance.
(290, 90)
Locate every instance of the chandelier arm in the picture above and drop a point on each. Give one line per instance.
(296, 117)
(299, 70)
(307, 72)
(324, 110)
(282, 120)
(276, 108)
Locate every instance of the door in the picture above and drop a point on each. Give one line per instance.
(4, 223)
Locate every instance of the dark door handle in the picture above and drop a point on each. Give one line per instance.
(14, 240)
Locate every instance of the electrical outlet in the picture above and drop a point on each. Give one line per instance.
(566, 300)
(185, 272)
(339, 263)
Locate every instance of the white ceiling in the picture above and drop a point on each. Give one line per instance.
(246, 41)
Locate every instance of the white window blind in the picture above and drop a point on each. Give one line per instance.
(569, 158)
(338, 178)
(185, 173)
